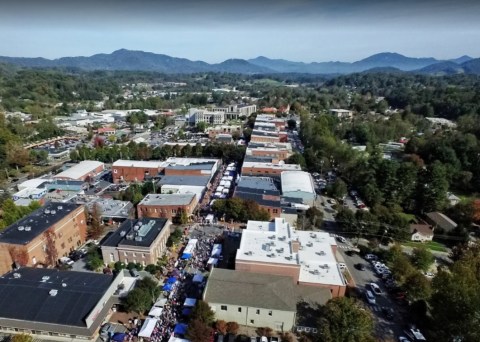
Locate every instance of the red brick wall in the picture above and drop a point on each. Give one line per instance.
(132, 174)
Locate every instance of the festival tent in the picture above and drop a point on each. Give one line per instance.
(189, 302)
(186, 311)
(228, 184)
(188, 251)
(161, 302)
(225, 191)
(118, 337)
(171, 280)
(167, 287)
(212, 261)
(155, 311)
(180, 329)
(147, 328)
(216, 250)
(197, 278)
(210, 217)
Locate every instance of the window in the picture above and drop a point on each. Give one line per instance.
(270, 313)
(143, 255)
(223, 307)
(125, 253)
(239, 309)
(134, 255)
(275, 211)
(258, 312)
(252, 321)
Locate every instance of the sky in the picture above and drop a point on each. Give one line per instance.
(213, 30)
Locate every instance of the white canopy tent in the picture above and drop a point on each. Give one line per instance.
(147, 328)
(198, 278)
(161, 302)
(155, 311)
(212, 261)
(177, 339)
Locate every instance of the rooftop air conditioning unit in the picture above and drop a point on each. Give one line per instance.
(53, 293)
(46, 211)
(59, 207)
(17, 275)
(21, 228)
(138, 238)
(123, 233)
(53, 212)
(45, 278)
(28, 228)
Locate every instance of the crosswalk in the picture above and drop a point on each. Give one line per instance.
(344, 247)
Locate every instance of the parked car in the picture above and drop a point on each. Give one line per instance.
(375, 289)
(389, 313)
(360, 267)
(66, 261)
(371, 257)
(370, 297)
(341, 239)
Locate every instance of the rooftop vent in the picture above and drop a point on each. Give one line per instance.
(46, 211)
(248, 253)
(309, 244)
(138, 238)
(64, 284)
(130, 236)
(45, 278)
(53, 212)
(17, 275)
(321, 253)
(28, 228)
(21, 228)
(53, 293)
(60, 207)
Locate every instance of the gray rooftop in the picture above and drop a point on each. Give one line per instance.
(167, 199)
(258, 159)
(28, 228)
(193, 166)
(258, 184)
(184, 180)
(25, 296)
(141, 232)
(260, 290)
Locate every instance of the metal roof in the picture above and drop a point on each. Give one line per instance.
(293, 181)
(80, 170)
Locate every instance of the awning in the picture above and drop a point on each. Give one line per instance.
(161, 302)
(198, 278)
(147, 327)
(155, 311)
(180, 329)
(189, 302)
(171, 280)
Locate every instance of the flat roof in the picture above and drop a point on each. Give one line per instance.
(167, 199)
(188, 161)
(29, 227)
(256, 197)
(259, 132)
(293, 181)
(111, 208)
(132, 232)
(152, 164)
(271, 242)
(257, 159)
(24, 295)
(80, 170)
(279, 166)
(260, 290)
(263, 185)
(184, 180)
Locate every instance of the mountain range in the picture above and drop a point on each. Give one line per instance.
(147, 61)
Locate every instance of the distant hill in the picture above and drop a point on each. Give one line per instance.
(472, 66)
(147, 61)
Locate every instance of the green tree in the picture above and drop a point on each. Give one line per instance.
(417, 287)
(138, 301)
(422, 258)
(94, 259)
(174, 237)
(338, 189)
(201, 126)
(203, 313)
(296, 158)
(344, 320)
(433, 187)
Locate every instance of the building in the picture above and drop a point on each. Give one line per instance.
(168, 206)
(136, 171)
(261, 136)
(81, 171)
(235, 112)
(110, 210)
(279, 122)
(276, 151)
(298, 184)
(259, 300)
(223, 129)
(54, 304)
(43, 237)
(341, 113)
(261, 190)
(139, 241)
(276, 248)
(26, 196)
(453, 199)
(209, 117)
(254, 168)
(440, 222)
(224, 138)
(421, 232)
(106, 131)
(184, 185)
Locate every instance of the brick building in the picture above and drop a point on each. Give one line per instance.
(277, 248)
(277, 152)
(263, 191)
(44, 236)
(139, 241)
(251, 168)
(168, 206)
(135, 170)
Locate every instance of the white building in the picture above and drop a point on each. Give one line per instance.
(341, 113)
(202, 115)
(298, 184)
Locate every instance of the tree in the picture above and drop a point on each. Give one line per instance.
(174, 237)
(338, 189)
(203, 313)
(296, 158)
(344, 320)
(95, 228)
(182, 217)
(433, 187)
(292, 124)
(138, 301)
(94, 259)
(198, 331)
(21, 338)
(201, 126)
(221, 326)
(422, 258)
(417, 287)
(232, 328)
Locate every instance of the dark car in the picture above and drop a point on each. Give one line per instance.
(389, 313)
(350, 253)
(360, 267)
(75, 256)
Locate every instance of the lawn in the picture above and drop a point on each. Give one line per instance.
(432, 245)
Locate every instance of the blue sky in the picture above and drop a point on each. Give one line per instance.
(211, 30)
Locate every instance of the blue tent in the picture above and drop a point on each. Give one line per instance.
(180, 329)
(186, 311)
(186, 256)
(171, 280)
(119, 337)
(167, 287)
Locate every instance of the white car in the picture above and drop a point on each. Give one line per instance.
(370, 297)
(375, 289)
(371, 257)
(66, 261)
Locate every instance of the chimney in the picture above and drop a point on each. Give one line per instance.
(295, 246)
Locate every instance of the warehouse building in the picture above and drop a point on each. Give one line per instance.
(259, 300)
(81, 171)
(54, 304)
(169, 206)
(298, 184)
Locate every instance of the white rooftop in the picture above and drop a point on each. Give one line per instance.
(293, 181)
(188, 161)
(33, 183)
(152, 164)
(80, 170)
(280, 166)
(271, 242)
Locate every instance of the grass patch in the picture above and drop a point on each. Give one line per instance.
(408, 217)
(432, 245)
